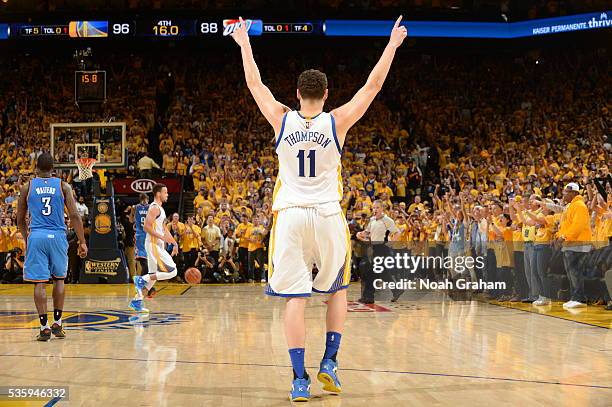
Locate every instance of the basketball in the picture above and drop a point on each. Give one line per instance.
(193, 275)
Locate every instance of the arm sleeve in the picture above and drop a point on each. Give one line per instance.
(368, 228)
(390, 223)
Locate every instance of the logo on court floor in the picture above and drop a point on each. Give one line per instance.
(353, 306)
(93, 321)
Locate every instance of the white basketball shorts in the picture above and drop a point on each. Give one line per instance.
(302, 238)
(159, 259)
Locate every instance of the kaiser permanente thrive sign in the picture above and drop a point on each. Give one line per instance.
(571, 25)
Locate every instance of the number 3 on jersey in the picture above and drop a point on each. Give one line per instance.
(311, 159)
(46, 200)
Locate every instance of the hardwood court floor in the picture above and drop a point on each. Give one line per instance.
(223, 346)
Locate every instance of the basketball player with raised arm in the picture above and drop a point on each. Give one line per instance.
(47, 245)
(160, 263)
(309, 225)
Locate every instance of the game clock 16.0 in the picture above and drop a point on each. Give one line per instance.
(167, 29)
(171, 28)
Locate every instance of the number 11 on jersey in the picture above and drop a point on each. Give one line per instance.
(311, 159)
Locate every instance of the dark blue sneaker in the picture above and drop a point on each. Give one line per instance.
(327, 375)
(136, 305)
(300, 390)
(139, 284)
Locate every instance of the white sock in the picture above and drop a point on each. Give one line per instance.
(42, 328)
(58, 322)
(165, 275)
(146, 278)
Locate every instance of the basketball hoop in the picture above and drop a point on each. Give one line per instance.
(85, 166)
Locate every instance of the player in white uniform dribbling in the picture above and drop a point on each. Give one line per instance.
(160, 262)
(309, 226)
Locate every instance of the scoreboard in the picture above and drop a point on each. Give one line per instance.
(155, 28)
(167, 26)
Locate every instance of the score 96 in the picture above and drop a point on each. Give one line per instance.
(122, 29)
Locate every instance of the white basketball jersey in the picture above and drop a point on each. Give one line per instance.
(309, 162)
(158, 224)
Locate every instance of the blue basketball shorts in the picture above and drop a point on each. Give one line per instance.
(46, 256)
(141, 252)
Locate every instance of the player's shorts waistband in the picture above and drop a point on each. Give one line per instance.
(47, 232)
(324, 208)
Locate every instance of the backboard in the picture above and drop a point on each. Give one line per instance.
(103, 141)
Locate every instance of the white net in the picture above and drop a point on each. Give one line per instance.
(85, 166)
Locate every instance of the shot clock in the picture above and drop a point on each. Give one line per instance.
(90, 86)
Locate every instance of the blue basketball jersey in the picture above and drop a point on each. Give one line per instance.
(139, 219)
(46, 204)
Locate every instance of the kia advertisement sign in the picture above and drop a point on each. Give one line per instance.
(134, 186)
(142, 185)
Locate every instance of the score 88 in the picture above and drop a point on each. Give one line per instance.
(209, 28)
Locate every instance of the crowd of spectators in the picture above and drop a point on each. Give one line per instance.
(490, 139)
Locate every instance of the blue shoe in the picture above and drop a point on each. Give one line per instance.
(139, 284)
(136, 305)
(327, 375)
(300, 390)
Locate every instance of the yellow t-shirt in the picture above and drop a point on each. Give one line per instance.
(221, 215)
(414, 206)
(382, 188)
(529, 232)
(503, 248)
(13, 243)
(191, 238)
(241, 230)
(367, 202)
(517, 238)
(169, 163)
(255, 234)
(197, 170)
(180, 228)
(181, 167)
(603, 230)
(5, 239)
(544, 234)
(20, 242)
(199, 200)
(207, 207)
(400, 186)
